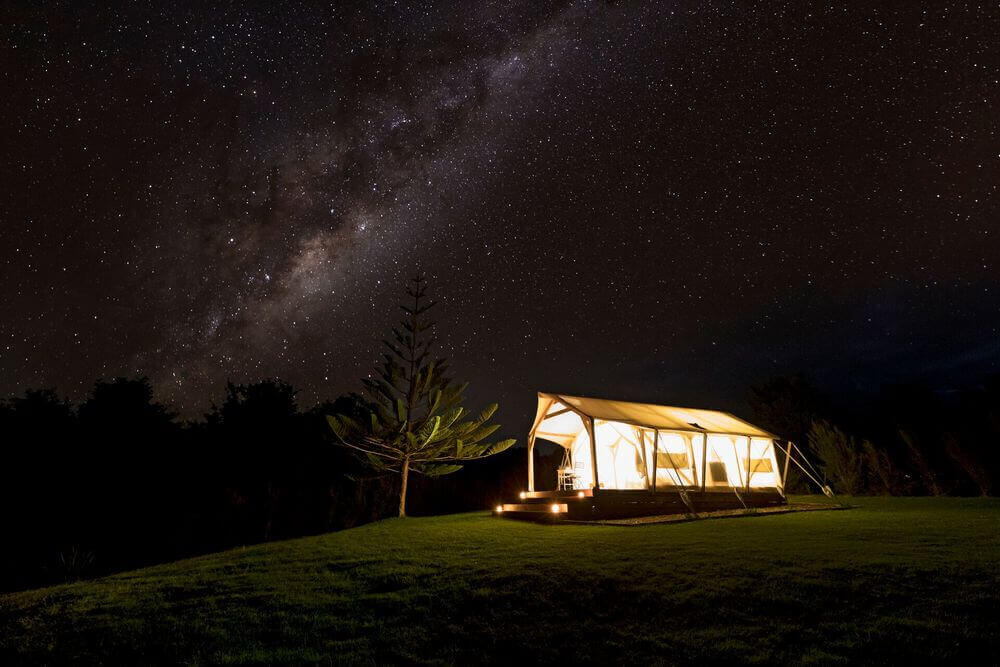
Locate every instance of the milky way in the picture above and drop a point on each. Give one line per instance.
(664, 201)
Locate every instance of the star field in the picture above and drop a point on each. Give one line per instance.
(663, 200)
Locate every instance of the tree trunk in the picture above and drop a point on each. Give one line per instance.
(402, 487)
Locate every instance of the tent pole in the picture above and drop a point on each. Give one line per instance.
(788, 459)
(593, 450)
(704, 458)
(540, 416)
(823, 487)
(693, 466)
(748, 465)
(656, 454)
(531, 462)
(645, 457)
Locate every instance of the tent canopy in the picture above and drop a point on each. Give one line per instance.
(554, 419)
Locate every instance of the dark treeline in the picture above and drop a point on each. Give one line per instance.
(120, 482)
(908, 440)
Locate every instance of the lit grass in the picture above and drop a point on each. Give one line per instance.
(896, 580)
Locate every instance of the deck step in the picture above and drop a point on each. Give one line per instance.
(542, 508)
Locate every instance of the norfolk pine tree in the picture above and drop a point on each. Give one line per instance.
(416, 421)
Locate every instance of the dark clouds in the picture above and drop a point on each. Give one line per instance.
(639, 200)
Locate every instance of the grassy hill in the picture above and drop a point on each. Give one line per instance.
(894, 580)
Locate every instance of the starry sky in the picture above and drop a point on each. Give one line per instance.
(661, 201)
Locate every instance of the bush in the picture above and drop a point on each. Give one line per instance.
(842, 456)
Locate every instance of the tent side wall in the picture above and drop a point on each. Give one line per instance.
(629, 458)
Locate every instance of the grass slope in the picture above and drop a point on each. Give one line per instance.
(896, 580)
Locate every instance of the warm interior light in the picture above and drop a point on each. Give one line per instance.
(523, 495)
(555, 507)
(499, 508)
(580, 494)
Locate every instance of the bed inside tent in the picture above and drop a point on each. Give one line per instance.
(624, 459)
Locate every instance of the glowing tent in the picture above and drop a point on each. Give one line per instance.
(623, 458)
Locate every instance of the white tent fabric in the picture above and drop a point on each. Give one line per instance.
(648, 446)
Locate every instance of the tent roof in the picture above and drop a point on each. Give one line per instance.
(649, 415)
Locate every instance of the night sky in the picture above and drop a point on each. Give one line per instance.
(666, 201)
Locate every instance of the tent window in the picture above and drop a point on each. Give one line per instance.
(717, 469)
(757, 465)
(679, 460)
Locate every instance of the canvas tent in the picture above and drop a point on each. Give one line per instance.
(621, 445)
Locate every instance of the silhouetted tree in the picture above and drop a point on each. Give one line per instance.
(133, 473)
(917, 418)
(788, 406)
(259, 431)
(972, 439)
(416, 422)
(883, 475)
(40, 451)
(965, 458)
(841, 456)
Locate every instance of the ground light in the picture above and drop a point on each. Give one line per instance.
(555, 507)
(523, 495)
(580, 494)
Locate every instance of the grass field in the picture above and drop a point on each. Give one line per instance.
(895, 580)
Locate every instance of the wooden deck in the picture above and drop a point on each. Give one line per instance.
(588, 505)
